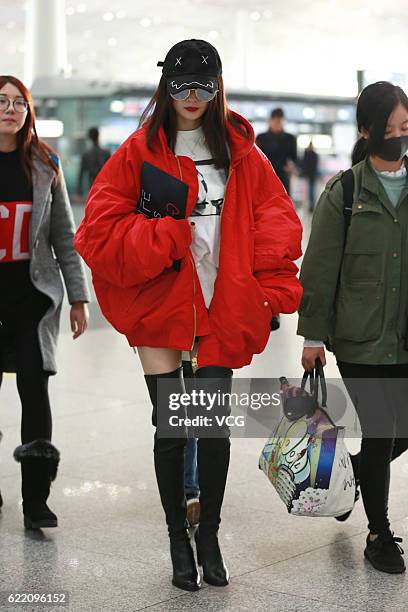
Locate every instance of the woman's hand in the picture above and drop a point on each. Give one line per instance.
(79, 319)
(310, 355)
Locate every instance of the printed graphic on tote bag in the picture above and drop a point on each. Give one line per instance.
(299, 460)
(307, 462)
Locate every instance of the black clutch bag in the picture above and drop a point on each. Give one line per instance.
(162, 195)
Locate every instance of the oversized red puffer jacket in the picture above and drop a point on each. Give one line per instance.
(131, 256)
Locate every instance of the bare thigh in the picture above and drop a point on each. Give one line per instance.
(159, 360)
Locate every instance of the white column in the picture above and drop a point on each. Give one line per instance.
(242, 45)
(46, 48)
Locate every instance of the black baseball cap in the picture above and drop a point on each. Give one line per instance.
(192, 64)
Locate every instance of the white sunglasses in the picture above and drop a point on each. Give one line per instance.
(202, 94)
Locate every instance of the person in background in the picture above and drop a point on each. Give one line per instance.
(36, 245)
(310, 170)
(237, 245)
(92, 162)
(279, 147)
(355, 280)
(191, 479)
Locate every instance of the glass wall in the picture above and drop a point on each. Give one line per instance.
(329, 123)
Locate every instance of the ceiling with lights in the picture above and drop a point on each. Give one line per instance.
(302, 46)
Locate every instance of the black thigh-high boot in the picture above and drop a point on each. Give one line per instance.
(213, 455)
(169, 467)
(39, 463)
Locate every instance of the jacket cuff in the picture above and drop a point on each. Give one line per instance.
(313, 343)
(81, 294)
(180, 232)
(313, 329)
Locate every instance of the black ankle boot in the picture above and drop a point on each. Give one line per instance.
(209, 556)
(39, 463)
(185, 574)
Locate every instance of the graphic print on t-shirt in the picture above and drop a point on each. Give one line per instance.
(206, 206)
(14, 231)
(207, 211)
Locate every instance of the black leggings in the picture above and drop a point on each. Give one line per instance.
(380, 396)
(21, 333)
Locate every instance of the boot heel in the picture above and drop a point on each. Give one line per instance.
(199, 561)
(215, 571)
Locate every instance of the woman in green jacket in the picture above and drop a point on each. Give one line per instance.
(355, 280)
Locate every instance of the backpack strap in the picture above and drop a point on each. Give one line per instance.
(347, 182)
(55, 159)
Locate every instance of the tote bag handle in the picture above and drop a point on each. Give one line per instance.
(316, 380)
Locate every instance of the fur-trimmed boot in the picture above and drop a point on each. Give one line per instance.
(1, 499)
(39, 463)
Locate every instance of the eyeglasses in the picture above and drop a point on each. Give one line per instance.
(19, 104)
(202, 94)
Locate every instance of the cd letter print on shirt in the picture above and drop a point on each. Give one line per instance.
(14, 224)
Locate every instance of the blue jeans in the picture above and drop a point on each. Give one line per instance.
(191, 486)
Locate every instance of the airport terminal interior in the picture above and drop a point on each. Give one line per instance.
(93, 63)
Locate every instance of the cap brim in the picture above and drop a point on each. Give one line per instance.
(191, 81)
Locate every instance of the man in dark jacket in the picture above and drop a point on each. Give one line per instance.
(310, 167)
(279, 147)
(92, 161)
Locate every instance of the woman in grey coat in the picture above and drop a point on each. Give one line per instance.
(36, 243)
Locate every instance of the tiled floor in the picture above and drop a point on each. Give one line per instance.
(110, 551)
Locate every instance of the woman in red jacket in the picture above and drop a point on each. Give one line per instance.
(234, 250)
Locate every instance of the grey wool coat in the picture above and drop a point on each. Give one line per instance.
(52, 253)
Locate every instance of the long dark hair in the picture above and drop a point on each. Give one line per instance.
(160, 113)
(27, 138)
(375, 104)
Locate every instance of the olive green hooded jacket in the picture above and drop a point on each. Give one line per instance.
(355, 280)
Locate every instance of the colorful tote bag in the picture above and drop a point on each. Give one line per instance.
(306, 458)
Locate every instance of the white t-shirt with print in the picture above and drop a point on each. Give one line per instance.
(207, 212)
